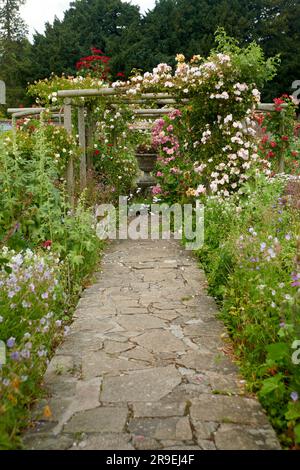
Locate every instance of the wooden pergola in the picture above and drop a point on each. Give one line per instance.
(85, 132)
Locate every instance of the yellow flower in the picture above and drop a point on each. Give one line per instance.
(180, 58)
(196, 58)
(47, 412)
(12, 399)
(191, 192)
(16, 383)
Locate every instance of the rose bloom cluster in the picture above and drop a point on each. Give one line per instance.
(220, 134)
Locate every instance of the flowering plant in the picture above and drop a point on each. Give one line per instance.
(30, 298)
(95, 65)
(251, 255)
(174, 171)
(277, 143)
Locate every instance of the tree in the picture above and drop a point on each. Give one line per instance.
(14, 50)
(109, 25)
(12, 27)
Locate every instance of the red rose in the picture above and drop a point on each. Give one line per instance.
(47, 244)
(270, 154)
(97, 152)
(273, 144)
(285, 138)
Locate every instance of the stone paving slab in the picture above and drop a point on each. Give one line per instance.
(143, 366)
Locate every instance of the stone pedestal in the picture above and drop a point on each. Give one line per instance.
(146, 163)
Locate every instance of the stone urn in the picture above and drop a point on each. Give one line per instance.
(146, 163)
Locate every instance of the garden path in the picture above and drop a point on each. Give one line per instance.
(146, 364)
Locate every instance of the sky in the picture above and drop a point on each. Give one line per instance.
(37, 12)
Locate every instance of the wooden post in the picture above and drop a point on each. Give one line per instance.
(82, 143)
(90, 139)
(70, 168)
(282, 159)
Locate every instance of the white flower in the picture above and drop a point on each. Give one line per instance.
(256, 95)
(228, 118)
(200, 190)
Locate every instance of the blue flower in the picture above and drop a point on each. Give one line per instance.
(294, 396)
(11, 342)
(15, 356)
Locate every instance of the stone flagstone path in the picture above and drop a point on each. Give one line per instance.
(143, 366)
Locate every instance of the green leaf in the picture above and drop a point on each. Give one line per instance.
(293, 412)
(278, 351)
(297, 433)
(77, 260)
(271, 385)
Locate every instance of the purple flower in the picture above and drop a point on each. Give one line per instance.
(66, 330)
(296, 280)
(25, 354)
(15, 356)
(294, 396)
(282, 324)
(272, 253)
(45, 295)
(11, 342)
(288, 236)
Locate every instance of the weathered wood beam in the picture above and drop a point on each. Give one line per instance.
(70, 167)
(82, 143)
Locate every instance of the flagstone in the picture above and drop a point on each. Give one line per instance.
(139, 322)
(97, 364)
(160, 341)
(146, 385)
(99, 420)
